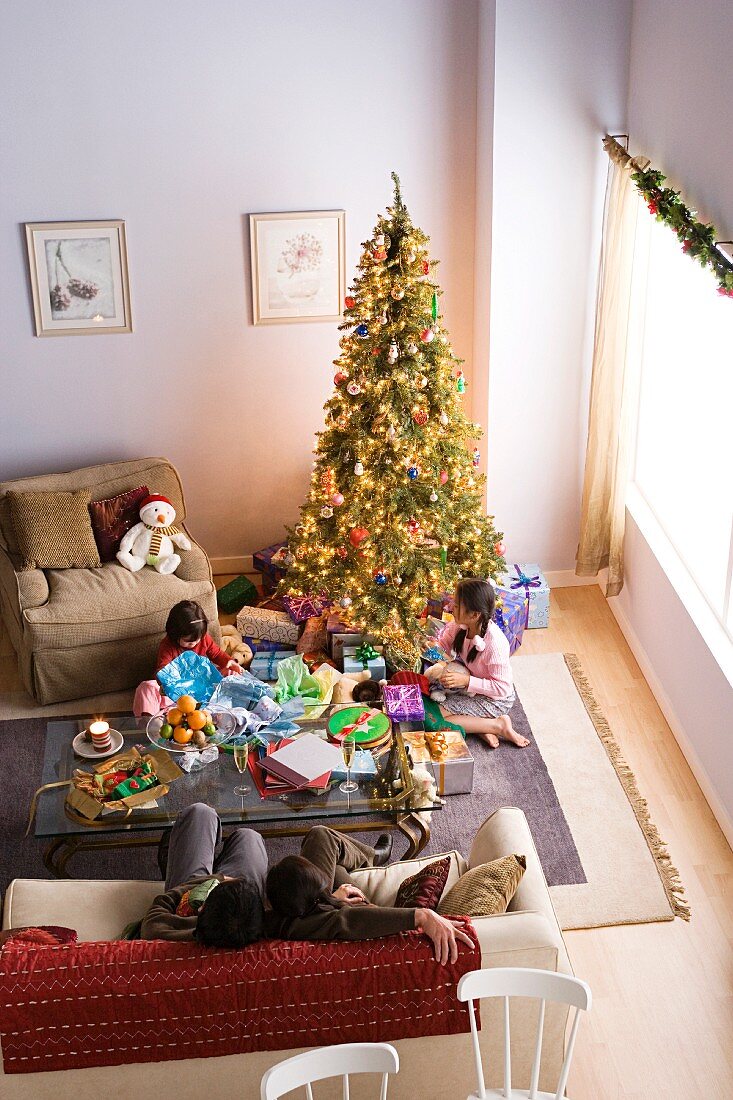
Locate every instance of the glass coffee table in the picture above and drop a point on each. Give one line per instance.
(381, 802)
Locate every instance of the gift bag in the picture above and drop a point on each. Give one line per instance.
(190, 674)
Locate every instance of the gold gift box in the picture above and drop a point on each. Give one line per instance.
(448, 755)
(89, 805)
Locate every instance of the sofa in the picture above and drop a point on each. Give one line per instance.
(80, 632)
(430, 1068)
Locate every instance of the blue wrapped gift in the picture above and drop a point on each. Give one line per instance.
(529, 578)
(264, 665)
(189, 674)
(510, 615)
(363, 766)
(360, 658)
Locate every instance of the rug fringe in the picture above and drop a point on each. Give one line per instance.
(668, 873)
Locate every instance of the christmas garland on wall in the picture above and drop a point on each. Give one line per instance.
(698, 238)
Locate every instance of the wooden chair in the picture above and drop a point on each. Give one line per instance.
(508, 982)
(337, 1061)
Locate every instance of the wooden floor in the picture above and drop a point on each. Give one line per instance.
(662, 1019)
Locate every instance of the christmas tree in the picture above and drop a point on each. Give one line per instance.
(394, 514)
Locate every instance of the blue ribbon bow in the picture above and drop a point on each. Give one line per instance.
(525, 582)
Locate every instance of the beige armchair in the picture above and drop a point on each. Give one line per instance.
(80, 632)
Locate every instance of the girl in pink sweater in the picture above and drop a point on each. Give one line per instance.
(481, 693)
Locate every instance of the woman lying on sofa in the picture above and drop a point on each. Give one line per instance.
(222, 895)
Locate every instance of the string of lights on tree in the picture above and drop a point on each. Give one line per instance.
(394, 514)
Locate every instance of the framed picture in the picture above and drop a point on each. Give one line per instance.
(298, 266)
(79, 277)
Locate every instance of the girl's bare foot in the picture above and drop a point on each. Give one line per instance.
(489, 739)
(508, 733)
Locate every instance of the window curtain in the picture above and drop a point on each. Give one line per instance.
(615, 378)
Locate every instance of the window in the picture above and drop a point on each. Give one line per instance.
(684, 445)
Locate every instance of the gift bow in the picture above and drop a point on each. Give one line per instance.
(366, 653)
(525, 582)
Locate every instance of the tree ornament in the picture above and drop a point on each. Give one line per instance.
(353, 388)
(413, 528)
(383, 319)
(379, 240)
(443, 476)
(394, 352)
(411, 256)
(339, 378)
(380, 577)
(433, 497)
(476, 457)
(357, 535)
(398, 292)
(337, 499)
(379, 253)
(326, 511)
(376, 351)
(349, 302)
(391, 432)
(427, 335)
(412, 472)
(425, 267)
(341, 552)
(420, 416)
(460, 382)
(434, 306)
(362, 331)
(345, 601)
(397, 581)
(300, 530)
(444, 418)
(358, 469)
(422, 381)
(499, 549)
(412, 348)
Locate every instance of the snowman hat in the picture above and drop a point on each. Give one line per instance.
(152, 499)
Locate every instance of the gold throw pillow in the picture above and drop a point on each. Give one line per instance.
(54, 530)
(486, 889)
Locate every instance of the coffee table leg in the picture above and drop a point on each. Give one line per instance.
(416, 827)
(50, 853)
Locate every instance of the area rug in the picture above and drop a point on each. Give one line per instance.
(602, 857)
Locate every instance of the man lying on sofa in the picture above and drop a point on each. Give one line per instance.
(215, 894)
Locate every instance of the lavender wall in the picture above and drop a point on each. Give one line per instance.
(181, 118)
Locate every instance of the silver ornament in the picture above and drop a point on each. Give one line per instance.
(397, 581)
(345, 601)
(391, 432)
(433, 496)
(358, 469)
(412, 349)
(422, 382)
(444, 419)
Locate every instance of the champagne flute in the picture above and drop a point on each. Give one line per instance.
(241, 754)
(348, 748)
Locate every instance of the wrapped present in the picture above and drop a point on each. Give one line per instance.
(314, 636)
(364, 656)
(315, 660)
(437, 605)
(302, 608)
(446, 753)
(271, 562)
(189, 674)
(403, 702)
(363, 766)
(260, 622)
(233, 596)
(264, 645)
(272, 603)
(510, 615)
(264, 665)
(529, 579)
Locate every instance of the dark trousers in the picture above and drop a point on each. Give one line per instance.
(335, 854)
(196, 850)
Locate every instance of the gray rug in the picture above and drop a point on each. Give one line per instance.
(503, 777)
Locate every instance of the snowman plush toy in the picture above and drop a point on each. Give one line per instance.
(152, 540)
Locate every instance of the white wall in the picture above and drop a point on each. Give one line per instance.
(561, 77)
(680, 90)
(181, 117)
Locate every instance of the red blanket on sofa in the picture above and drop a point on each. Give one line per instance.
(105, 1004)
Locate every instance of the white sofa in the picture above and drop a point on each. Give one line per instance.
(430, 1068)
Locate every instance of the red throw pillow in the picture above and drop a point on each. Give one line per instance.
(45, 935)
(113, 518)
(423, 890)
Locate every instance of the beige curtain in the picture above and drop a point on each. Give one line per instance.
(615, 379)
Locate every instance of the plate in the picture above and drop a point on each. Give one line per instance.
(223, 718)
(88, 751)
(374, 729)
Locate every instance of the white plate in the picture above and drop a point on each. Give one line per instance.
(87, 749)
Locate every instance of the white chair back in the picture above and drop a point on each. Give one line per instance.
(544, 985)
(337, 1061)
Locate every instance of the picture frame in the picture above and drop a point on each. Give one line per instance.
(79, 277)
(298, 268)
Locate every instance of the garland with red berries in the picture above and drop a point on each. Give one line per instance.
(698, 238)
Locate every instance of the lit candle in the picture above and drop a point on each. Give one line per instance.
(99, 733)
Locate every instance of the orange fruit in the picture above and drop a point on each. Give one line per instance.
(186, 704)
(174, 716)
(197, 720)
(181, 735)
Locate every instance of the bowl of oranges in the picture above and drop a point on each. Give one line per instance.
(187, 727)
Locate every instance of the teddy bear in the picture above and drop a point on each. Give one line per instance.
(434, 675)
(231, 643)
(424, 789)
(151, 541)
(357, 687)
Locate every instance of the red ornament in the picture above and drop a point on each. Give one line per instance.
(341, 552)
(686, 246)
(349, 302)
(420, 417)
(339, 378)
(357, 535)
(379, 254)
(443, 476)
(427, 335)
(652, 207)
(500, 549)
(413, 527)
(425, 267)
(376, 351)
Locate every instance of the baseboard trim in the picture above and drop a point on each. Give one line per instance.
(688, 750)
(242, 564)
(566, 578)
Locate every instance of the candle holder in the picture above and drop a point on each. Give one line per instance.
(100, 736)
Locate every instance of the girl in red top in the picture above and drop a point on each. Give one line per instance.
(186, 628)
